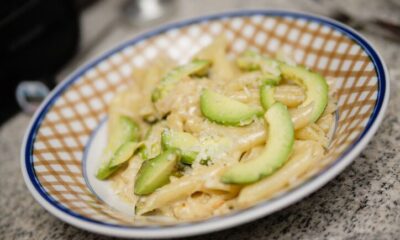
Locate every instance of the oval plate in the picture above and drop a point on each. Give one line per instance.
(54, 144)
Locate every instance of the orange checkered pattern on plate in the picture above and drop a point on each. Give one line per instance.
(64, 131)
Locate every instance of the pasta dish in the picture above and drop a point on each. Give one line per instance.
(216, 134)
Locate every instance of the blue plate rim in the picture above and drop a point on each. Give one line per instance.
(372, 125)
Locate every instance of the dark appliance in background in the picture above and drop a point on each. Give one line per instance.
(37, 37)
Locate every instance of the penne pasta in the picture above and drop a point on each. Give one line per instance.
(175, 122)
(326, 123)
(177, 190)
(222, 68)
(330, 107)
(304, 156)
(313, 132)
(301, 116)
(290, 95)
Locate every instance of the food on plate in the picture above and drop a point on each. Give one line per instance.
(216, 134)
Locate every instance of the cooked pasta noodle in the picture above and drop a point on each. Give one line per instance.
(290, 95)
(305, 155)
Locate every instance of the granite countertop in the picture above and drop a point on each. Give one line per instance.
(363, 202)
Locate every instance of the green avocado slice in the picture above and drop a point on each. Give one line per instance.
(126, 130)
(124, 153)
(251, 61)
(121, 156)
(122, 141)
(267, 96)
(276, 152)
(315, 85)
(105, 171)
(223, 110)
(168, 82)
(154, 173)
(189, 146)
(183, 141)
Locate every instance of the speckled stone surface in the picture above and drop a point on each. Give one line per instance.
(363, 202)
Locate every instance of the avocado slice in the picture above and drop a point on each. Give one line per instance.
(105, 171)
(124, 153)
(189, 146)
(168, 82)
(269, 79)
(154, 173)
(223, 110)
(267, 96)
(183, 141)
(126, 130)
(276, 152)
(315, 85)
(143, 151)
(121, 156)
(146, 152)
(251, 61)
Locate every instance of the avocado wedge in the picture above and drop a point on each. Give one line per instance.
(276, 152)
(189, 146)
(122, 145)
(267, 96)
(223, 110)
(121, 156)
(251, 61)
(125, 130)
(168, 82)
(154, 173)
(183, 141)
(124, 153)
(315, 85)
(105, 171)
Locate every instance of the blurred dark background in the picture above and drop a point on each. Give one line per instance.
(37, 38)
